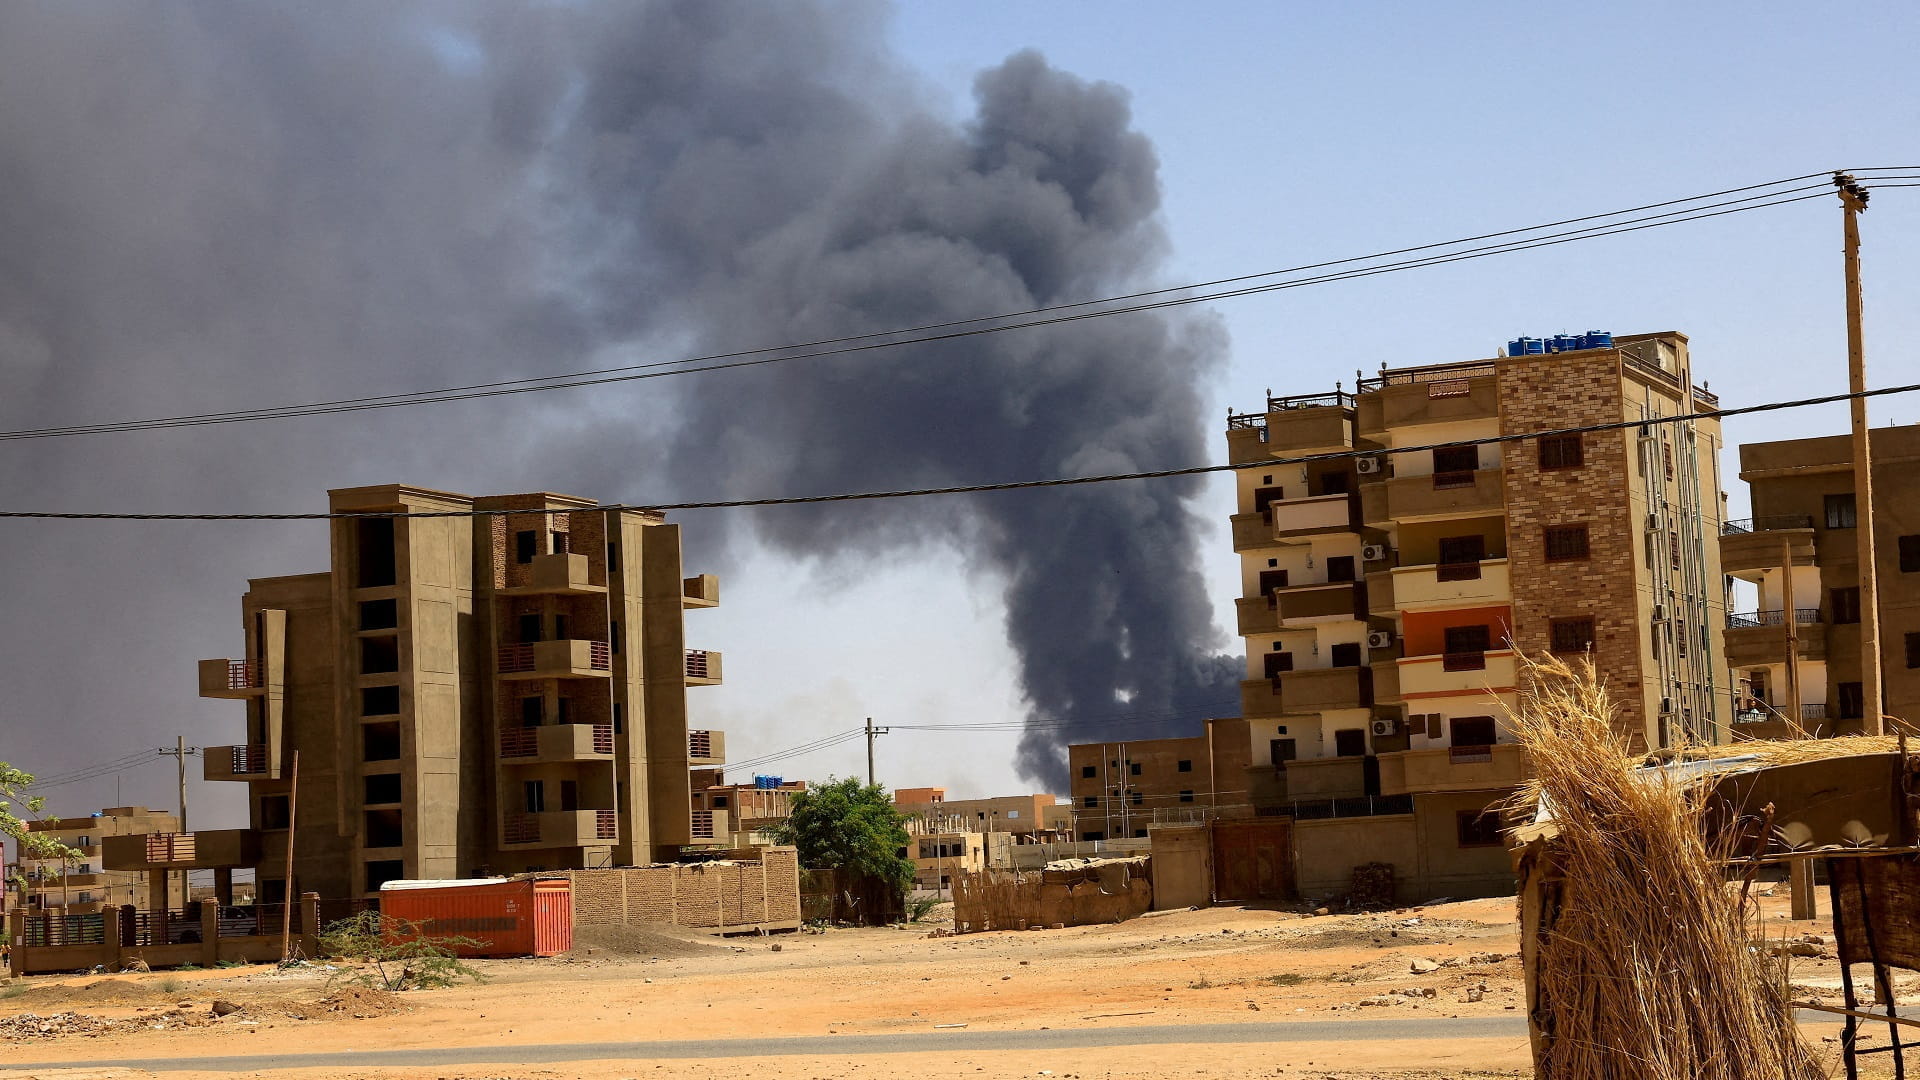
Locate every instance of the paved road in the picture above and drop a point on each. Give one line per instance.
(1507, 1027)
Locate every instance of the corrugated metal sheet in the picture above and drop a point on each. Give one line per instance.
(531, 917)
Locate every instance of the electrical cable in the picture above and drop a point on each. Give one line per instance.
(1010, 485)
(608, 374)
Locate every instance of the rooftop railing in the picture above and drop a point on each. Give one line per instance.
(1772, 617)
(1766, 524)
(1429, 373)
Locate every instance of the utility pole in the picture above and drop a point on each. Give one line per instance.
(1853, 199)
(871, 732)
(286, 909)
(180, 753)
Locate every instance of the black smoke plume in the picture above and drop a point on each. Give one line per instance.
(216, 204)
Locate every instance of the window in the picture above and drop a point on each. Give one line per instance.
(1666, 457)
(1185, 765)
(1853, 704)
(1346, 654)
(613, 635)
(1087, 772)
(565, 706)
(560, 628)
(613, 554)
(1840, 513)
(1450, 459)
(1335, 483)
(1135, 798)
(1478, 828)
(1090, 800)
(379, 655)
(534, 792)
(1283, 751)
(1186, 796)
(1094, 834)
(1562, 452)
(533, 711)
(1462, 549)
(384, 829)
(380, 742)
(1434, 725)
(1570, 635)
(1844, 604)
(1133, 767)
(1910, 554)
(525, 544)
(1349, 742)
(1673, 549)
(528, 627)
(1474, 731)
(719, 802)
(1913, 650)
(619, 717)
(381, 788)
(1467, 639)
(273, 811)
(557, 543)
(379, 614)
(1566, 543)
(379, 872)
(374, 549)
(379, 700)
(1340, 568)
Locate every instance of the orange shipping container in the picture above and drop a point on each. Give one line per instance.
(507, 917)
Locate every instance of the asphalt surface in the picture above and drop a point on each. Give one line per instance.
(1508, 1027)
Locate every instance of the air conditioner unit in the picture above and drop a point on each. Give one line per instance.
(1384, 728)
(1666, 706)
(1653, 522)
(1379, 639)
(1659, 613)
(1375, 552)
(1368, 466)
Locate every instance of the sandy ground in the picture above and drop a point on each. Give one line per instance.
(1215, 966)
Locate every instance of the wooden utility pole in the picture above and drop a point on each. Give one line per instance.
(1789, 619)
(286, 909)
(871, 732)
(180, 753)
(1853, 199)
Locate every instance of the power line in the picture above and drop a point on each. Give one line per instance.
(755, 357)
(1011, 485)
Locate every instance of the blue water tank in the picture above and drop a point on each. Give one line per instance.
(1535, 346)
(1599, 339)
(1517, 347)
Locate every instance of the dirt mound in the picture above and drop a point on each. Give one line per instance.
(99, 992)
(358, 1002)
(33, 1026)
(1386, 933)
(656, 943)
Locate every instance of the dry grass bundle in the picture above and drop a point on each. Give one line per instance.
(1788, 751)
(1643, 968)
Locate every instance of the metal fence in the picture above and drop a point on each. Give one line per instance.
(50, 930)
(1356, 806)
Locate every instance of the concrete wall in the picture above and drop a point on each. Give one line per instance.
(1326, 851)
(1107, 892)
(1182, 866)
(724, 897)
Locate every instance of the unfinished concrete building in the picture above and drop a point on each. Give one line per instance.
(468, 695)
(1384, 595)
(1802, 495)
(82, 883)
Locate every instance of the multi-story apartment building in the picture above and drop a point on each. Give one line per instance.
(1026, 818)
(466, 695)
(1118, 789)
(738, 816)
(1386, 596)
(1802, 496)
(83, 883)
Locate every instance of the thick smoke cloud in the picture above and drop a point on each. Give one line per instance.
(229, 204)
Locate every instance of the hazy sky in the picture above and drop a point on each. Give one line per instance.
(1284, 134)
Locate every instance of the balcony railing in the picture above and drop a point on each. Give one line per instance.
(603, 740)
(1353, 806)
(524, 657)
(1248, 421)
(169, 847)
(698, 664)
(1706, 397)
(699, 744)
(243, 674)
(1458, 571)
(1766, 524)
(1339, 398)
(519, 742)
(250, 760)
(606, 825)
(1432, 373)
(1772, 617)
(1456, 478)
(523, 829)
(703, 825)
(516, 658)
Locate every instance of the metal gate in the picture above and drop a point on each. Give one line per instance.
(1253, 860)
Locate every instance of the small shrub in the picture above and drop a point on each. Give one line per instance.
(1201, 983)
(918, 907)
(167, 984)
(13, 991)
(402, 957)
(1287, 978)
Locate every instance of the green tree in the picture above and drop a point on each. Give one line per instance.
(13, 802)
(849, 826)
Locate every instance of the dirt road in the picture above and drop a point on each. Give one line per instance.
(1217, 993)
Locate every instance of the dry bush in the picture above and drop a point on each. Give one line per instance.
(1644, 969)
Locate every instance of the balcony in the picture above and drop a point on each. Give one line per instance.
(1315, 516)
(1323, 602)
(1446, 494)
(706, 749)
(562, 828)
(1251, 531)
(1457, 674)
(232, 679)
(181, 851)
(1256, 616)
(1382, 599)
(556, 743)
(1760, 637)
(1304, 693)
(1452, 585)
(1326, 778)
(1762, 543)
(703, 667)
(700, 591)
(562, 573)
(712, 827)
(1457, 768)
(1439, 393)
(566, 659)
(237, 763)
(53, 883)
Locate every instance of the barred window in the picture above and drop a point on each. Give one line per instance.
(1562, 452)
(1566, 542)
(1571, 635)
